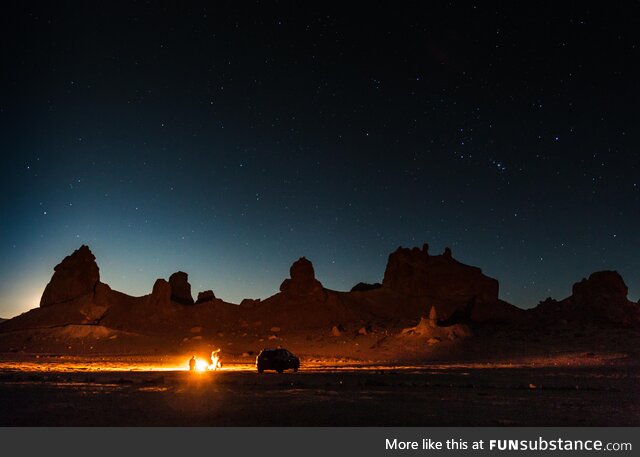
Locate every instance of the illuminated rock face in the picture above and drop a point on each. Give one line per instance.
(303, 279)
(180, 288)
(76, 276)
(416, 273)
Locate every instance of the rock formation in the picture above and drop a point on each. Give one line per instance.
(76, 276)
(363, 287)
(180, 288)
(303, 279)
(416, 273)
(602, 286)
(415, 284)
(433, 317)
(600, 299)
(161, 294)
(249, 302)
(102, 295)
(207, 295)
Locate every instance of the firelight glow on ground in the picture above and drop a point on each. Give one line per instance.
(60, 363)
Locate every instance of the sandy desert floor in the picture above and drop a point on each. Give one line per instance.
(146, 391)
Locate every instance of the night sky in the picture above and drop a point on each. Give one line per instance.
(228, 139)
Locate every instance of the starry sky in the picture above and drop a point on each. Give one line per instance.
(227, 139)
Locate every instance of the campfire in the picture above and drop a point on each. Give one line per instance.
(213, 363)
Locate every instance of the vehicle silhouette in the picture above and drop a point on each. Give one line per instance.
(277, 359)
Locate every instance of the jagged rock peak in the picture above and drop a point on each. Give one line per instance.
(161, 294)
(180, 288)
(207, 295)
(303, 279)
(302, 270)
(413, 271)
(74, 277)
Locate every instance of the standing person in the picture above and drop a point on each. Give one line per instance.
(215, 359)
(192, 363)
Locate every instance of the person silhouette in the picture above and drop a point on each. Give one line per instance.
(192, 363)
(215, 359)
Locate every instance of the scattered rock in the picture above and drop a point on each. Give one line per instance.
(74, 277)
(335, 331)
(196, 329)
(433, 340)
(275, 329)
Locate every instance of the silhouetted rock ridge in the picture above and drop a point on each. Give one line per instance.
(74, 277)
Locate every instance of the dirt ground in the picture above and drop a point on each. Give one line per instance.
(124, 391)
(584, 377)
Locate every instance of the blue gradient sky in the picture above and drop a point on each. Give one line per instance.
(227, 143)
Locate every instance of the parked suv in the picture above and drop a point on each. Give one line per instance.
(277, 359)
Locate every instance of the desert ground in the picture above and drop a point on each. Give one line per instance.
(581, 389)
(432, 345)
